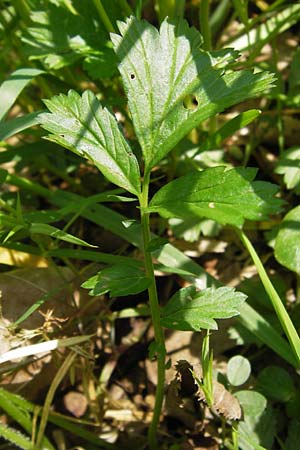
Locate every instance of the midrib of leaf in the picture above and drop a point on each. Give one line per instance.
(190, 89)
(114, 147)
(138, 117)
(144, 87)
(169, 97)
(149, 79)
(103, 138)
(97, 121)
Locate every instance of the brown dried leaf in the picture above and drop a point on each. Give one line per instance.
(224, 402)
(176, 406)
(76, 403)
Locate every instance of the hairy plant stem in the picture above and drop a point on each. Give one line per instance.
(155, 314)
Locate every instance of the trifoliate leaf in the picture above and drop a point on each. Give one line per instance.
(118, 280)
(83, 126)
(172, 85)
(287, 243)
(289, 166)
(189, 310)
(226, 196)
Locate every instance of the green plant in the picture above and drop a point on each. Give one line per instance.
(172, 86)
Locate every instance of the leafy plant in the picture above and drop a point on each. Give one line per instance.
(162, 70)
(172, 153)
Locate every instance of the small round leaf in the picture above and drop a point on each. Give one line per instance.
(287, 243)
(252, 402)
(238, 370)
(276, 383)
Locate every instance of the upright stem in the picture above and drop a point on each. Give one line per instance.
(103, 16)
(205, 29)
(204, 24)
(155, 314)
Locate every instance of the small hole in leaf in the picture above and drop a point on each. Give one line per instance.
(190, 102)
(132, 76)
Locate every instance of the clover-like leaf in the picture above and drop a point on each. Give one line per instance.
(83, 126)
(287, 243)
(118, 280)
(189, 310)
(289, 166)
(228, 196)
(172, 85)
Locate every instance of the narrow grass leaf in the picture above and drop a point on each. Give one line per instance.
(13, 86)
(18, 409)
(232, 126)
(65, 422)
(16, 437)
(49, 230)
(14, 126)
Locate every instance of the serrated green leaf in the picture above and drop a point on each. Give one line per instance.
(289, 166)
(226, 196)
(119, 280)
(287, 243)
(165, 71)
(189, 310)
(15, 437)
(170, 257)
(83, 126)
(49, 230)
